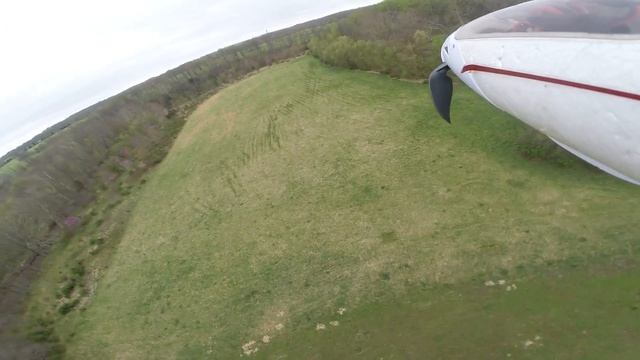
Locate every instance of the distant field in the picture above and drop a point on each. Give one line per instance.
(309, 212)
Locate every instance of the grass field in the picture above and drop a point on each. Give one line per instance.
(310, 212)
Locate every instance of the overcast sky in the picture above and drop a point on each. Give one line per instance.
(60, 56)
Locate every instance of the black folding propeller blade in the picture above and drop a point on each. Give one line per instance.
(442, 91)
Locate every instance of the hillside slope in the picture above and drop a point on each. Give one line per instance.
(306, 189)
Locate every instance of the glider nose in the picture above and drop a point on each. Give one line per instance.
(451, 55)
(441, 85)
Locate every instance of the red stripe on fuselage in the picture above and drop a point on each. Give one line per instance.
(603, 90)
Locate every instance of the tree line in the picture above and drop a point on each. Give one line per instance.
(401, 38)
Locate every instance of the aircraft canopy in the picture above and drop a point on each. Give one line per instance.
(559, 18)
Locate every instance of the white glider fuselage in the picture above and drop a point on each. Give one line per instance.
(582, 92)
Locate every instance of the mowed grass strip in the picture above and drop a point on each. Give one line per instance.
(306, 189)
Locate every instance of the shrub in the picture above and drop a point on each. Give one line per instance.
(96, 241)
(66, 307)
(124, 191)
(56, 351)
(41, 330)
(78, 270)
(67, 288)
(40, 334)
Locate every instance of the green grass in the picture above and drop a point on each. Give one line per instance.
(11, 167)
(571, 316)
(306, 189)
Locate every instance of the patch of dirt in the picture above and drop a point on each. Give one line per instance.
(250, 348)
(537, 342)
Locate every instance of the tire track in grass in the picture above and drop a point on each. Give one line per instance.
(268, 135)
